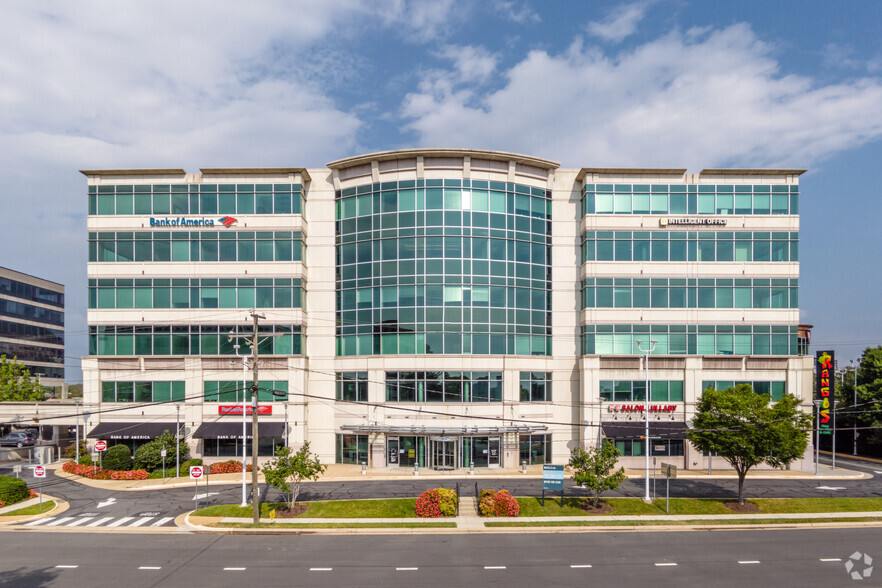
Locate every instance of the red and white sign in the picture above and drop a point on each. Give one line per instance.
(641, 408)
(100, 445)
(39, 472)
(196, 472)
(227, 409)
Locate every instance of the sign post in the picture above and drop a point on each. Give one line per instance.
(100, 447)
(553, 479)
(163, 453)
(670, 472)
(196, 472)
(40, 473)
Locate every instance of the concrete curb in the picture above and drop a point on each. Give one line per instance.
(60, 507)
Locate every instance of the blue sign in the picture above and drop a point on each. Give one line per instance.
(552, 477)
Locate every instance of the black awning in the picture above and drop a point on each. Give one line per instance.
(637, 430)
(232, 430)
(124, 431)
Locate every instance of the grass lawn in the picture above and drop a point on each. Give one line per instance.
(649, 523)
(433, 525)
(32, 510)
(331, 509)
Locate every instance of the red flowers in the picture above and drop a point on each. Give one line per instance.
(228, 467)
(437, 502)
(94, 473)
(498, 504)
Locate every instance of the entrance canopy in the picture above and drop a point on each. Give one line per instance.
(637, 430)
(234, 431)
(126, 431)
(440, 431)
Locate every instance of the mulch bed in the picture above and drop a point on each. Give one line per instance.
(285, 513)
(746, 507)
(601, 508)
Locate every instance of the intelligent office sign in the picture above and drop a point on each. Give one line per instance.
(552, 477)
(826, 386)
(669, 221)
(180, 221)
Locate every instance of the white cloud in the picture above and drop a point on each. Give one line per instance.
(519, 12)
(703, 100)
(619, 23)
(471, 64)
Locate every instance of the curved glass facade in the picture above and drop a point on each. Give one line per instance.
(443, 267)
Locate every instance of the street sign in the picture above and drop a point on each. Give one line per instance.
(196, 472)
(163, 452)
(552, 477)
(100, 445)
(39, 472)
(670, 471)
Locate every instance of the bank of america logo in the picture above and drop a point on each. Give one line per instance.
(229, 221)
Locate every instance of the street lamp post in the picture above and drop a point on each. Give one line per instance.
(244, 417)
(818, 434)
(77, 402)
(835, 404)
(646, 353)
(178, 441)
(854, 409)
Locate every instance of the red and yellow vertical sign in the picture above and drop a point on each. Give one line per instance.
(825, 388)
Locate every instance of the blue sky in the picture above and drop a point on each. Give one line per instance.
(679, 83)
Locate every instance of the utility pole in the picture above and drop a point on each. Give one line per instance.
(77, 402)
(255, 490)
(646, 443)
(178, 442)
(854, 410)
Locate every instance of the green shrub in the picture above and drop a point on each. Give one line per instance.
(498, 504)
(148, 456)
(71, 451)
(118, 457)
(12, 490)
(85, 459)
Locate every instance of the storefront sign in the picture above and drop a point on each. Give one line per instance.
(180, 221)
(552, 477)
(641, 407)
(667, 221)
(227, 409)
(826, 385)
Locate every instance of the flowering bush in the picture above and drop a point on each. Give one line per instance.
(228, 467)
(437, 502)
(498, 504)
(94, 473)
(33, 493)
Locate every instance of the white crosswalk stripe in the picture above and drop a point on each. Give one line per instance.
(162, 521)
(39, 522)
(99, 522)
(76, 521)
(79, 521)
(60, 521)
(141, 521)
(120, 522)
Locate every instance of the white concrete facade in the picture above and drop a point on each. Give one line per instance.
(312, 413)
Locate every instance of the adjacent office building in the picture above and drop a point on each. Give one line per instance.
(32, 325)
(445, 308)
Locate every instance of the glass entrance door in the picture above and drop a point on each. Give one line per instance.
(392, 451)
(493, 453)
(443, 453)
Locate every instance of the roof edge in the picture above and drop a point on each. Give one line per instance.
(752, 172)
(134, 172)
(442, 152)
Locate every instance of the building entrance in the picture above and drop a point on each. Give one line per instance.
(443, 453)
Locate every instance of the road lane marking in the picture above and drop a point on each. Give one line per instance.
(877, 471)
(234, 569)
(120, 522)
(162, 521)
(39, 522)
(64, 567)
(141, 521)
(748, 561)
(494, 567)
(150, 568)
(60, 521)
(320, 569)
(406, 569)
(665, 563)
(578, 566)
(831, 559)
(79, 521)
(99, 522)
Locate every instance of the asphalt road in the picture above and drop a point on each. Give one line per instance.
(778, 558)
(159, 507)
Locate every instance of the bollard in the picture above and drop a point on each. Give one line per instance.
(472, 468)
(363, 468)
(524, 467)
(416, 468)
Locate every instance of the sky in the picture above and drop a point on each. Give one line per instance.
(657, 83)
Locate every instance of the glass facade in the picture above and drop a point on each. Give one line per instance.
(635, 390)
(690, 293)
(352, 449)
(444, 386)
(449, 267)
(535, 387)
(30, 292)
(232, 391)
(143, 391)
(204, 199)
(682, 199)
(187, 340)
(775, 390)
(703, 246)
(535, 449)
(352, 386)
(196, 293)
(690, 339)
(660, 447)
(192, 246)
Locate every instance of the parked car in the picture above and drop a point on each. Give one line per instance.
(17, 440)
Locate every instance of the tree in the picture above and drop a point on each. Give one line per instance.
(149, 456)
(742, 427)
(595, 469)
(16, 383)
(867, 415)
(287, 471)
